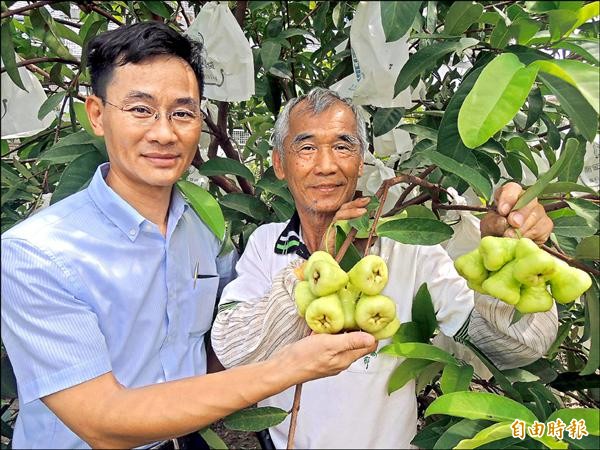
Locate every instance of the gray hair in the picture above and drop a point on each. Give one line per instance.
(317, 100)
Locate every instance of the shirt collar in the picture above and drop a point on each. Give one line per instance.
(121, 213)
(289, 241)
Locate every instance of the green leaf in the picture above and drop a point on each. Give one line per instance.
(566, 187)
(580, 48)
(573, 167)
(8, 54)
(82, 117)
(50, 104)
(574, 104)
(269, 53)
(159, 8)
(421, 131)
(456, 378)
(536, 104)
(462, 430)
(7, 379)
(409, 332)
(397, 18)
(427, 375)
(592, 306)
(352, 256)
(386, 119)
(492, 433)
(416, 231)
(283, 209)
(247, 204)
(501, 34)
(518, 145)
(419, 211)
(408, 370)
(44, 29)
(205, 205)
(423, 313)
(461, 16)
(586, 209)
(255, 419)
(419, 350)
(427, 436)
(222, 166)
(591, 416)
(480, 405)
(588, 248)
(77, 174)
(495, 99)
(563, 23)
(538, 187)
(426, 58)
(572, 226)
(212, 439)
(553, 135)
(581, 75)
(480, 184)
(525, 29)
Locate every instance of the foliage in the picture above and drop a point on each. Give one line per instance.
(508, 91)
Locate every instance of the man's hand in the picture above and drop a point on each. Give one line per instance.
(348, 211)
(531, 220)
(323, 355)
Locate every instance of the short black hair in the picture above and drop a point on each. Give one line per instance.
(135, 43)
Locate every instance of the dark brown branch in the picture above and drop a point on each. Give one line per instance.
(106, 14)
(22, 9)
(295, 409)
(411, 186)
(43, 59)
(571, 261)
(36, 69)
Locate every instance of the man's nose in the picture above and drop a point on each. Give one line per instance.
(326, 163)
(162, 130)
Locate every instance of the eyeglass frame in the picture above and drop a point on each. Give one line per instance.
(157, 114)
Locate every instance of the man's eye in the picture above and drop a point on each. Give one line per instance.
(307, 148)
(183, 114)
(140, 110)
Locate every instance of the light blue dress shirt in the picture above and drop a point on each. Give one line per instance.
(89, 286)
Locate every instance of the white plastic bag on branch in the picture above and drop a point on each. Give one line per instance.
(590, 175)
(374, 173)
(466, 235)
(20, 108)
(377, 63)
(227, 56)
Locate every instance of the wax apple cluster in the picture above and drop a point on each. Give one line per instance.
(331, 300)
(519, 273)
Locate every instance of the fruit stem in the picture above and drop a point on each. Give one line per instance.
(294, 417)
(384, 191)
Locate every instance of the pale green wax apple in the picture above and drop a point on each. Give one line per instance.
(370, 274)
(373, 313)
(348, 296)
(503, 285)
(534, 299)
(325, 315)
(388, 331)
(326, 278)
(497, 251)
(303, 296)
(470, 266)
(568, 283)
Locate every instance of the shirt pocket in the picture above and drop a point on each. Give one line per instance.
(202, 296)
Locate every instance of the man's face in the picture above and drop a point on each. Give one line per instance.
(151, 153)
(322, 158)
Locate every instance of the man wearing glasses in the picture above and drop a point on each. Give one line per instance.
(108, 294)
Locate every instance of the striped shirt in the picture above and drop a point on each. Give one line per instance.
(89, 286)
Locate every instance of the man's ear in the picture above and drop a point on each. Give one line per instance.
(361, 167)
(95, 110)
(278, 165)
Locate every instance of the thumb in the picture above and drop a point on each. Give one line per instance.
(358, 340)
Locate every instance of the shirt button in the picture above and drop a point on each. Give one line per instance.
(132, 232)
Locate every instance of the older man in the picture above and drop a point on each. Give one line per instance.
(108, 294)
(319, 140)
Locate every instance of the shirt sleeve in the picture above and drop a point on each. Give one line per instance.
(250, 331)
(52, 337)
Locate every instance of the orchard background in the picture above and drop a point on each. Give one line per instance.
(536, 122)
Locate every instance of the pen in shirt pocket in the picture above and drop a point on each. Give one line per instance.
(199, 276)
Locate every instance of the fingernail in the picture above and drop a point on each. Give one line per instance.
(503, 209)
(518, 219)
(510, 233)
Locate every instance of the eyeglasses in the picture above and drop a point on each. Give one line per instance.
(146, 115)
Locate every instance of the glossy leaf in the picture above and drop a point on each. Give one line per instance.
(538, 187)
(408, 370)
(589, 415)
(553, 135)
(255, 419)
(212, 439)
(592, 305)
(83, 118)
(77, 174)
(409, 332)
(496, 97)
(583, 76)
(501, 34)
(525, 29)
(205, 205)
(8, 55)
(386, 119)
(420, 351)
(461, 16)
(269, 53)
(421, 131)
(50, 104)
(352, 256)
(426, 58)
(588, 210)
(535, 101)
(456, 378)
(574, 104)
(566, 187)
(492, 433)
(397, 18)
(588, 248)
(423, 312)
(222, 166)
(70, 147)
(480, 405)
(159, 8)
(416, 231)
(480, 184)
(462, 430)
(573, 226)
(427, 436)
(247, 204)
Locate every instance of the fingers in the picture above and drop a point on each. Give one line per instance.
(353, 209)
(493, 224)
(506, 197)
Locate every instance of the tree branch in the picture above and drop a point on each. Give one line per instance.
(43, 59)
(106, 14)
(571, 261)
(12, 12)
